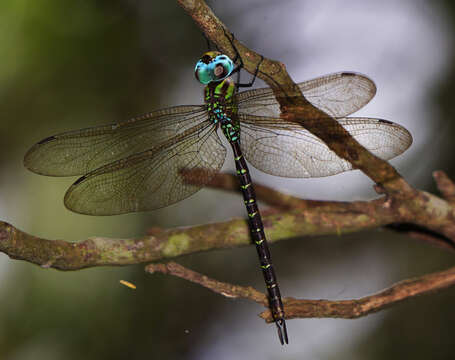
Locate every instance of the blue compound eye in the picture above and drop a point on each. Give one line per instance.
(203, 73)
(223, 67)
(213, 66)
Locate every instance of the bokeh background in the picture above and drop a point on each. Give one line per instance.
(67, 65)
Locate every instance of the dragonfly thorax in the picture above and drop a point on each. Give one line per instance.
(221, 107)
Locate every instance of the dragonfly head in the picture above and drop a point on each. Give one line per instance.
(213, 66)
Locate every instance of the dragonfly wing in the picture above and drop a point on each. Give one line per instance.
(152, 179)
(80, 151)
(288, 150)
(338, 95)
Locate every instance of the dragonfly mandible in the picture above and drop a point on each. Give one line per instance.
(142, 164)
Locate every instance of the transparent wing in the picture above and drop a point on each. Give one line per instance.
(286, 149)
(152, 179)
(338, 95)
(80, 151)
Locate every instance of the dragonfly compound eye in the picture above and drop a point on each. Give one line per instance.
(219, 71)
(223, 67)
(205, 66)
(213, 66)
(203, 73)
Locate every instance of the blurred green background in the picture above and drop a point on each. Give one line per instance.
(68, 65)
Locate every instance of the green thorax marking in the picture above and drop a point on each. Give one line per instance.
(222, 108)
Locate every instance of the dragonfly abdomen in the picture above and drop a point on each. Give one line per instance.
(258, 236)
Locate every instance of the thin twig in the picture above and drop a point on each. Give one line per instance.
(225, 289)
(445, 185)
(302, 308)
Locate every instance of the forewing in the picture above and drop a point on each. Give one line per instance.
(152, 179)
(338, 95)
(80, 151)
(288, 150)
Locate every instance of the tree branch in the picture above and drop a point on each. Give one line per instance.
(170, 243)
(225, 289)
(299, 308)
(445, 186)
(303, 218)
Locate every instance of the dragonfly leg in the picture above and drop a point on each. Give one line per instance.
(250, 84)
(240, 65)
(237, 55)
(209, 46)
(209, 43)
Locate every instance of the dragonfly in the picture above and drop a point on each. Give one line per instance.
(145, 163)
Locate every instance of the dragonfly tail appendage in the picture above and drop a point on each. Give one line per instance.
(282, 331)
